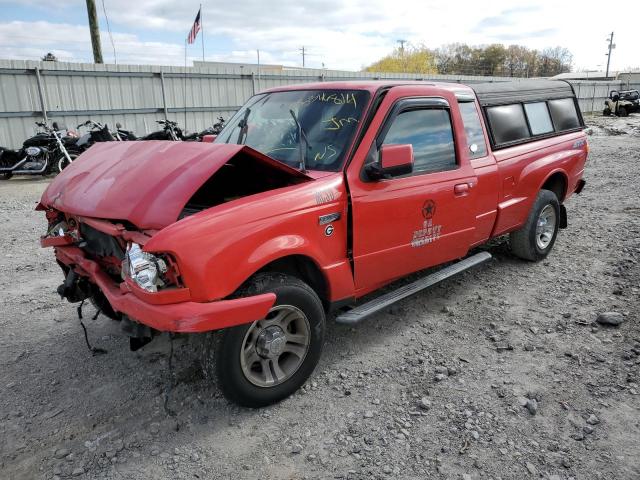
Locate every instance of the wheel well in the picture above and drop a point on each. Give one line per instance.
(557, 183)
(306, 270)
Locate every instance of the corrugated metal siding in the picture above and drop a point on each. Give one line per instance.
(132, 94)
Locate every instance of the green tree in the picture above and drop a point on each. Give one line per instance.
(462, 59)
(406, 60)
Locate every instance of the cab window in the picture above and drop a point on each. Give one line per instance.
(473, 129)
(430, 133)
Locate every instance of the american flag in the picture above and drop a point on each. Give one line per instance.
(194, 30)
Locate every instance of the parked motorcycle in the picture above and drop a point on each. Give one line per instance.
(99, 132)
(48, 152)
(213, 130)
(170, 131)
(124, 135)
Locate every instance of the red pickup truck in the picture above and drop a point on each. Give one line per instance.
(312, 197)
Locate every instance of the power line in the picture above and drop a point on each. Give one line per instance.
(104, 10)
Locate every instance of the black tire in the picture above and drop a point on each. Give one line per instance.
(526, 242)
(221, 350)
(606, 112)
(6, 175)
(622, 112)
(101, 303)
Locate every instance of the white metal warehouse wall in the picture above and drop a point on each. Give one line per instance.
(138, 95)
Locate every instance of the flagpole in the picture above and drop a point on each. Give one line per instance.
(185, 85)
(202, 28)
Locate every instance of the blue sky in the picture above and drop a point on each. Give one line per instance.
(343, 34)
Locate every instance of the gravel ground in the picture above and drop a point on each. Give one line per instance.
(502, 372)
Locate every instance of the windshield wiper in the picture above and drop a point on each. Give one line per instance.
(242, 135)
(301, 135)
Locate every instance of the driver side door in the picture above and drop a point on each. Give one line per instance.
(409, 222)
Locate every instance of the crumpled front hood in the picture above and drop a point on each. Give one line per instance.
(146, 183)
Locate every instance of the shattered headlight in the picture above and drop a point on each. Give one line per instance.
(144, 268)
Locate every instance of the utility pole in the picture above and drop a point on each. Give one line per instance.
(402, 42)
(95, 31)
(611, 47)
(303, 55)
(258, 70)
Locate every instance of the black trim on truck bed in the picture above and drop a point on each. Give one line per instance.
(521, 91)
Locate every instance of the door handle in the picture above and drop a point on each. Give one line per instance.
(461, 189)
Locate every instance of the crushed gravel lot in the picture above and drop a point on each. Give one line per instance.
(502, 372)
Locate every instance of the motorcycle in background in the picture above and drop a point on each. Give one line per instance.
(218, 126)
(48, 152)
(99, 132)
(170, 131)
(213, 130)
(124, 135)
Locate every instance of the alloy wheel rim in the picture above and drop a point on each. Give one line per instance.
(275, 347)
(545, 227)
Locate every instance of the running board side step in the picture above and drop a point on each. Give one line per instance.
(363, 311)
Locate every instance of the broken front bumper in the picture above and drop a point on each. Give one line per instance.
(170, 310)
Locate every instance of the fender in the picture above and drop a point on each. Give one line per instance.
(337, 276)
(217, 250)
(513, 212)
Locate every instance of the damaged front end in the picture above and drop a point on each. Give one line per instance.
(84, 245)
(105, 208)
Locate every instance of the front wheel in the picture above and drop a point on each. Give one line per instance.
(263, 362)
(63, 162)
(536, 238)
(606, 112)
(622, 112)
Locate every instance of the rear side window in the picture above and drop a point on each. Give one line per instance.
(508, 123)
(473, 129)
(539, 119)
(430, 133)
(563, 113)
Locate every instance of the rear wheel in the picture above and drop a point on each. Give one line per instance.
(266, 361)
(622, 112)
(536, 238)
(606, 112)
(6, 175)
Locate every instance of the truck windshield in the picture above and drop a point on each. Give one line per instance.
(329, 120)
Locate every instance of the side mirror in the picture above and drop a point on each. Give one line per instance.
(394, 160)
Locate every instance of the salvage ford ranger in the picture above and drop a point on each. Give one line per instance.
(312, 197)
